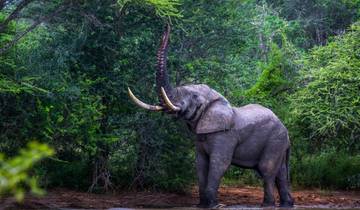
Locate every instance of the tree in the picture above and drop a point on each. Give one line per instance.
(319, 19)
(83, 112)
(326, 105)
(46, 14)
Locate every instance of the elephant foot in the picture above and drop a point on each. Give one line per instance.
(218, 206)
(202, 205)
(212, 205)
(267, 204)
(287, 204)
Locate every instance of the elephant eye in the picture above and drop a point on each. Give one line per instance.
(195, 96)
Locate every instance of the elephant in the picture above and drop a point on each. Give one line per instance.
(250, 136)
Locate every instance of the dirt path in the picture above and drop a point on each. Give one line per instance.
(246, 196)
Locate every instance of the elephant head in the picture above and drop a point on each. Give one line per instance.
(203, 109)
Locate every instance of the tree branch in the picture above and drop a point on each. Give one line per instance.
(32, 27)
(14, 14)
(94, 20)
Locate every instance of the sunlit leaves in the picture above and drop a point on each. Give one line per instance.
(14, 172)
(163, 8)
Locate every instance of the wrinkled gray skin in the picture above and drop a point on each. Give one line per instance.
(249, 137)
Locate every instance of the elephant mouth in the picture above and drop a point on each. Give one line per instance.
(193, 114)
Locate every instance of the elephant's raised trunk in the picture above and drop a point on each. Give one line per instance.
(162, 80)
(162, 77)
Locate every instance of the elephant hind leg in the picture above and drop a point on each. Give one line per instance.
(267, 170)
(268, 167)
(282, 184)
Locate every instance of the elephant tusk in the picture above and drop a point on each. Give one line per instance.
(168, 103)
(142, 104)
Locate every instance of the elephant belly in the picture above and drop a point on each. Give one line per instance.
(257, 128)
(247, 155)
(244, 163)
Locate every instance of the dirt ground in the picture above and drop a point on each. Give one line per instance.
(245, 196)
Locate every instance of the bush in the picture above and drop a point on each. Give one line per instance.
(69, 174)
(276, 80)
(327, 170)
(240, 176)
(154, 156)
(273, 79)
(326, 110)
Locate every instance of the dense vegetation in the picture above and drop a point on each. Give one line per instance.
(65, 66)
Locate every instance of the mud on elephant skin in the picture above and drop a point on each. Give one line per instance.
(250, 136)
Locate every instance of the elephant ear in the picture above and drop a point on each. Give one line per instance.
(218, 116)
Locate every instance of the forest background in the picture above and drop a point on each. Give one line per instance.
(65, 66)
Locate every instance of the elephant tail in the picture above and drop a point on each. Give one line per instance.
(287, 164)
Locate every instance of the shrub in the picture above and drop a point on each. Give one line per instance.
(329, 169)
(326, 109)
(276, 80)
(240, 176)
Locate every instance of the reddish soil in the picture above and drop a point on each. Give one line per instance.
(248, 196)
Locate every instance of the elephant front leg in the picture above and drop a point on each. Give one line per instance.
(202, 168)
(217, 167)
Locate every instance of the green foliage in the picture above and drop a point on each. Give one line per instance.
(272, 81)
(163, 8)
(65, 84)
(328, 169)
(162, 159)
(238, 176)
(319, 19)
(327, 107)
(59, 173)
(276, 80)
(14, 172)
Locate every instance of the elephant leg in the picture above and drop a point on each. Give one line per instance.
(268, 200)
(218, 166)
(268, 168)
(282, 184)
(202, 167)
